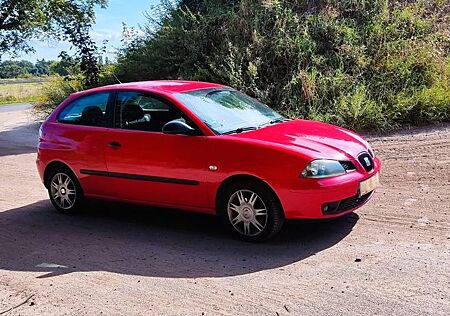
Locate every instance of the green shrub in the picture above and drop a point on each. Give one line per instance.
(60, 88)
(55, 92)
(365, 64)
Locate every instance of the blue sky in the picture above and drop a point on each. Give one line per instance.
(108, 27)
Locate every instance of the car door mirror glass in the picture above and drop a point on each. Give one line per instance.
(178, 126)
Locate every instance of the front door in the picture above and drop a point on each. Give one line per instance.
(146, 165)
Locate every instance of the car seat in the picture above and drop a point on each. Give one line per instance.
(92, 116)
(133, 117)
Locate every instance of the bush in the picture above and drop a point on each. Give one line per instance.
(60, 88)
(56, 92)
(365, 64)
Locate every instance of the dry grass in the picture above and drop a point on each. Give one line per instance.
(20, 92)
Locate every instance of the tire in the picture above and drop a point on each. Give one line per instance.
(251, 211)
(65, 191)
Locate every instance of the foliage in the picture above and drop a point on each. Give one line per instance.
(11, 69)
(41, 68)
(87, 51)
(365, 64)
(24, 68)
(22, 20)
(61, 87)
(55, 92)
(66, 65)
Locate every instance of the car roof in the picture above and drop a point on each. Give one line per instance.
(165, 86)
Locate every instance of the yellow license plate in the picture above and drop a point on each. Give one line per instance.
(369, 185)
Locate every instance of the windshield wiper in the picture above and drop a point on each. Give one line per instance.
(240, 130)
(278, 120)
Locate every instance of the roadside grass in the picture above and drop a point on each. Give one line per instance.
(20, 92)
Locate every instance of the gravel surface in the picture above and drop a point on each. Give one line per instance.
(390, 258)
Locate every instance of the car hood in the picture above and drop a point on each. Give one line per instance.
(311, 138)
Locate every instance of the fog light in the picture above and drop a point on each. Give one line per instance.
(330, 208)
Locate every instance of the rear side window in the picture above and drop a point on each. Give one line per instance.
(89, 110)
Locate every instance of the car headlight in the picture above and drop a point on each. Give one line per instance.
(323, 168)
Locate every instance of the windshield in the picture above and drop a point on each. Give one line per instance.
(225, 110)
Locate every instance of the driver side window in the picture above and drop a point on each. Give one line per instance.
(141, 111)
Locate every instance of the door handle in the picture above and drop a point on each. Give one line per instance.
(114, 145)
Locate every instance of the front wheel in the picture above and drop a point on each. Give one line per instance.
(65, 192)
(252, 211)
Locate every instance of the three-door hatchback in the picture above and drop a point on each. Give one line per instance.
(202, 147)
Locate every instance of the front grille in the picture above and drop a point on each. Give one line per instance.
(366, 161)
(347, 165)
(344, 205)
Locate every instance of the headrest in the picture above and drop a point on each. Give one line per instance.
(91, 115)
(132, 112)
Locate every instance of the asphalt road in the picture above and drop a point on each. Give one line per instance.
(14, 107)
(391, 258)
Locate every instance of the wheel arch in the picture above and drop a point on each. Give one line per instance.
(54, 165)
(237, 178)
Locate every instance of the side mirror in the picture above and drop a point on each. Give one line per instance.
(178, 127)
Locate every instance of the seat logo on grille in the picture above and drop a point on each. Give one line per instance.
(367, 161)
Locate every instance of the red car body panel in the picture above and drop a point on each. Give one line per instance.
(166, 159)
(179, 166)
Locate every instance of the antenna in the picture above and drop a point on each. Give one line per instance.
(115, 77)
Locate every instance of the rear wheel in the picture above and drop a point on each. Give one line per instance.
(65, 192)
(251, 211)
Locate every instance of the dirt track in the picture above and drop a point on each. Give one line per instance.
(121, 259)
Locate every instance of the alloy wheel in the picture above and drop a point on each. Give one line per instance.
(63, 191)
(247, 212)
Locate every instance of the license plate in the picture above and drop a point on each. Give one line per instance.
(369, 185)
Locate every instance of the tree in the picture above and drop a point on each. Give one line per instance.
(365, 64)
(22, 20)
(14, 69)
(42, 67)
(10, 69)
(65, 66)
(26, 65)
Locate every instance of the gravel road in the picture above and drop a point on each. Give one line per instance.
(390, 258)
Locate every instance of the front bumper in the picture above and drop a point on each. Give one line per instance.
(348, 204)
(307, 198)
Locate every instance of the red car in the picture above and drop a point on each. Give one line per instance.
(202, 147)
